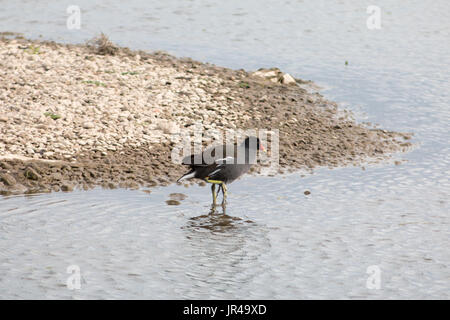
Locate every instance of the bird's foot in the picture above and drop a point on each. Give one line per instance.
(213, 209)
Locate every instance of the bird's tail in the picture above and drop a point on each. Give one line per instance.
(188, 175)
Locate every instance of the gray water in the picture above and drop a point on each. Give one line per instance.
(274, 241)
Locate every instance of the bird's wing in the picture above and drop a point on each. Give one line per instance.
(220, 164)
(206, 158)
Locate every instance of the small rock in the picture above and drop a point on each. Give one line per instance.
(5, 165)
(173, 202)
(274, 80)
(111, 185)
(7, 179)
(287, 79)
(307, 192)
(266, 73)
(57, 176)
(16, 189)
(31, 173)
(3, 119)
(66, 187)
(168, 127)
(131, 185)
(88, 125)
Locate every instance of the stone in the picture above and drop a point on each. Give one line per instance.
(7, 179)
(57, 176)
(30, 173)
(88, 125)
(287, 79)
(16, 189)
(173, 202)
(266, 73)
(66, 186)
(168, 127)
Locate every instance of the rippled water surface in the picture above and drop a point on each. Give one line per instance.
(274, 241)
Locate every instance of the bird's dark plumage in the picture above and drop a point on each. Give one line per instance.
(225, 163)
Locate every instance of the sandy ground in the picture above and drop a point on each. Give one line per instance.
(85, 115)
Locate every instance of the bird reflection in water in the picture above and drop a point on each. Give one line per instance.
(216, 221)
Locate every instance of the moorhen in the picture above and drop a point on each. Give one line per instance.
(222, 164)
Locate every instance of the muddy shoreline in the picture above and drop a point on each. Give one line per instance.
(80, 116)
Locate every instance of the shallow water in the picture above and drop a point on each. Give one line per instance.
(274, 242)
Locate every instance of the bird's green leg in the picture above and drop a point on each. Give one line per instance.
(224, 191)
(213, 190)
(224, 209)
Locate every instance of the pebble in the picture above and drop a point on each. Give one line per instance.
(31, 173)
(173, 202)
(7, 179)
(288, 79)
(88, 125)
(67, 187)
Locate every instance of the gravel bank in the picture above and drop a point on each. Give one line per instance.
(80, 116)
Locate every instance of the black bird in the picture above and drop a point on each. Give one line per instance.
(222, 164)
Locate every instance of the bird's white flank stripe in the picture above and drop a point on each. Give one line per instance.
(186, 176)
